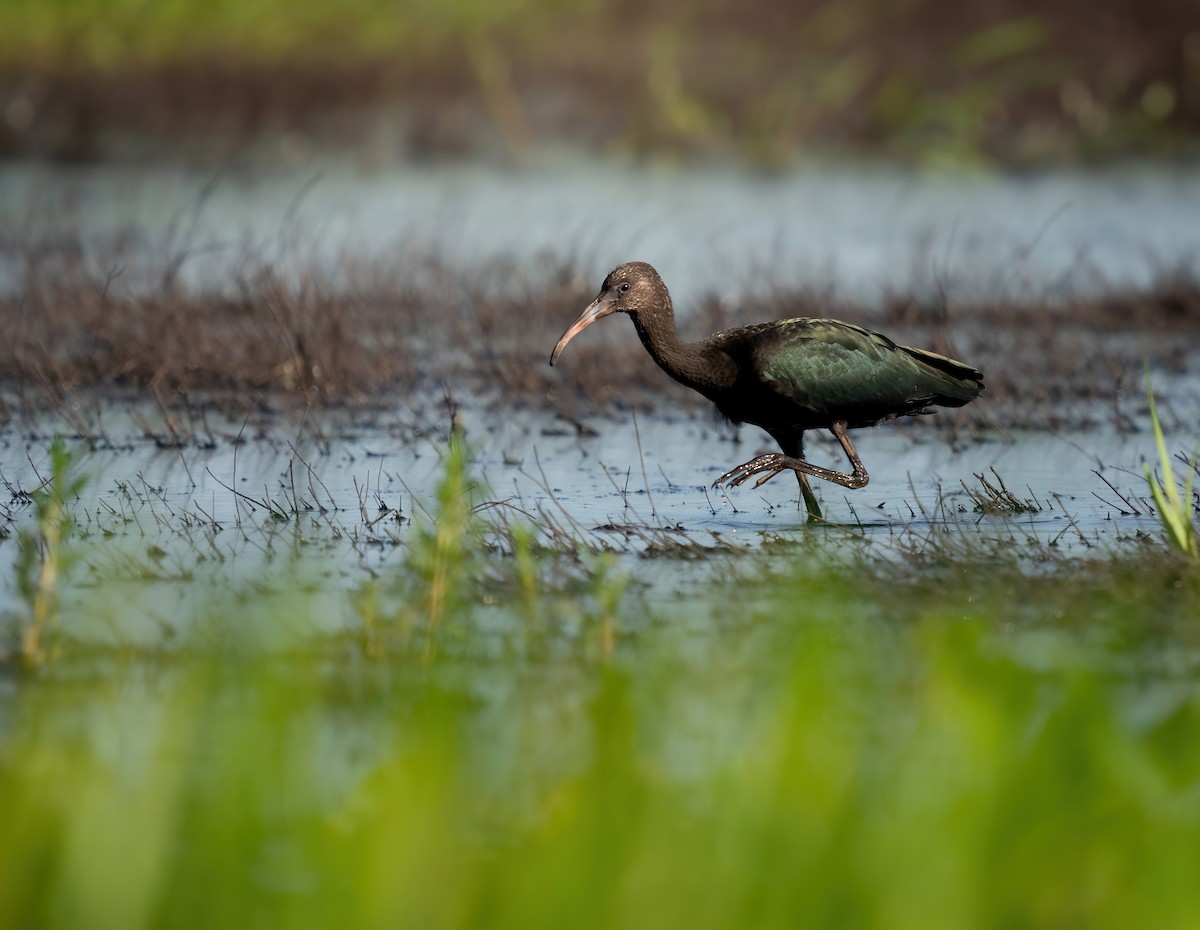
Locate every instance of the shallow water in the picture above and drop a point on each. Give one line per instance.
(174, 518)
(163, 533)
(861, 230)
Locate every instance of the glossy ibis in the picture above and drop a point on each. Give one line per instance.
(785, 376)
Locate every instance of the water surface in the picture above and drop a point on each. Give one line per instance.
(861, 230)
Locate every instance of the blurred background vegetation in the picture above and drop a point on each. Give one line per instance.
(1012, 81)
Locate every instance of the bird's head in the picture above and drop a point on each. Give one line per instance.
(634, 287)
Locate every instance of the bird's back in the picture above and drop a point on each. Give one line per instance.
(808, 372)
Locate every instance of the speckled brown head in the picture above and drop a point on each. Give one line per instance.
(634, 288)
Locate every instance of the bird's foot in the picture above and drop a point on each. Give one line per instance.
(772, 463)
(776, 462)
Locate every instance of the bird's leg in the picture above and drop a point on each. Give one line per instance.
(777, 462)
(857, 479)
(810, 499)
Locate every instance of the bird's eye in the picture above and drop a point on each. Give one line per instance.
(624, 288)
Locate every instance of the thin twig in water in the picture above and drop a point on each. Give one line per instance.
(266, 503)
(623, 492)
(1130, 507)
(1071, 524)
(237, 442)
(637, 433)
(186, 468)
(312, 475)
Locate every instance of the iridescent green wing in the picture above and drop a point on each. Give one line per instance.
(842, 370)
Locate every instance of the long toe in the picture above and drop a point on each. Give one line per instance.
(743, 478)
(746, 470)
(768, 476)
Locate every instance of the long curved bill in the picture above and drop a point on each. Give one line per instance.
(598, 309)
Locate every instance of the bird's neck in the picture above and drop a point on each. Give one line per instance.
(695, 364)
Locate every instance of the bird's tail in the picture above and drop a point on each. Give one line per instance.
(958, 383)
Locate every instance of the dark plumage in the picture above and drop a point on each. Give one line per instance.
(786, 376)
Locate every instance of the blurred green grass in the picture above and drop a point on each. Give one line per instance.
(839, 771)
(766, 81)
(505, 735)
(114, 34)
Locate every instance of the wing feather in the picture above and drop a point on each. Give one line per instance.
(839, 369)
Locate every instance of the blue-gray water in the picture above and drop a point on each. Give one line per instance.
(863, 231)
(168, 528)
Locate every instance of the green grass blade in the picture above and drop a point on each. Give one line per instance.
(1174, 509)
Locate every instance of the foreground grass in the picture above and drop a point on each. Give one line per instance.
(1174, 507)
(503, 734)
(814, 757)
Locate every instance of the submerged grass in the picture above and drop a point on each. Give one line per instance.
(993, 497)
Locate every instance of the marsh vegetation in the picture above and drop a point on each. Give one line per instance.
(517, 716)
(324, 601)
